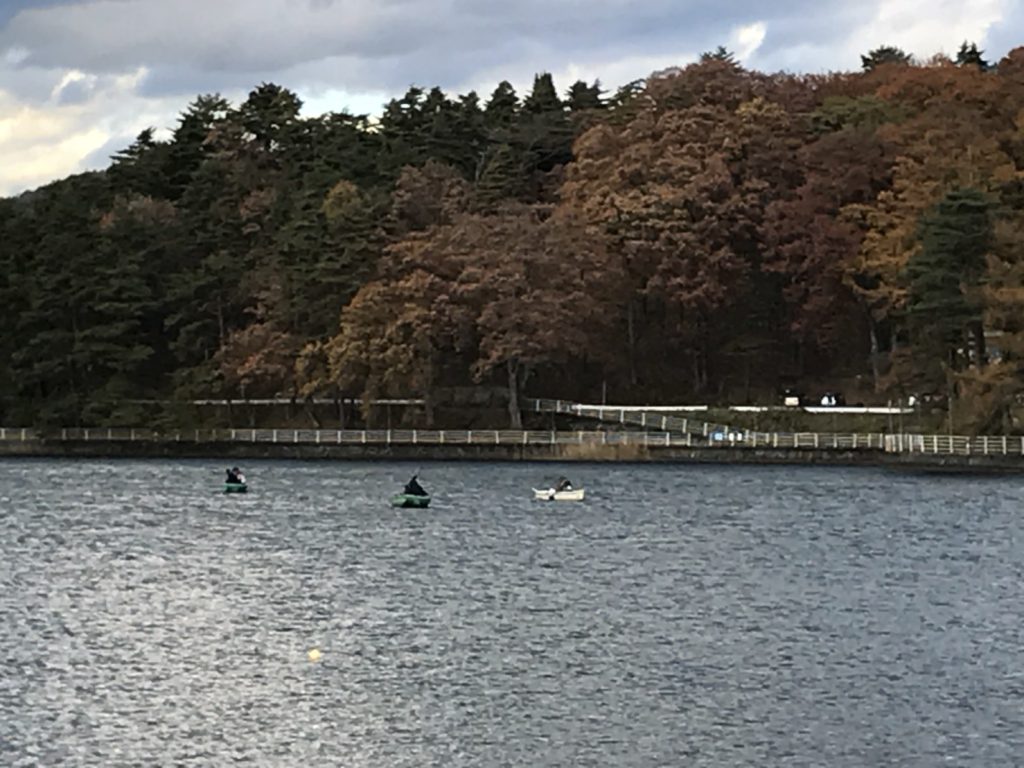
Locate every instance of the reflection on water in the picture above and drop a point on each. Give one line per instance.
(680, 616)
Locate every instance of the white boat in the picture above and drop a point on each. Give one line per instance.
(550, 494)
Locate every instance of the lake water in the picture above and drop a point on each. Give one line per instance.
(680, 616)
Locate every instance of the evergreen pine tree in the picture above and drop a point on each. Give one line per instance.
(268, 114)
(189, 147)
(503, 176)
(544, 134)
(970, 56)
(543, 98)
(51, 365)
(502, 108)
(139, 168)
(886, 54)
(721, 53)
(943, 274)
(582, 97)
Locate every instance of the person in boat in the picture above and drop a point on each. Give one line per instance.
(235, 476)
(413, 488)
(563, 484)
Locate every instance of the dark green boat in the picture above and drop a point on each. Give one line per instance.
(235, 488)
(408, 500)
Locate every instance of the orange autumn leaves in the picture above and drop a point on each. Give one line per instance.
(716, 198)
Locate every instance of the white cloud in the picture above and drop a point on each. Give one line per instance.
(924, 27)
(319, 101)
(39, 144)
(43, 141)
(77, 76)
(73, 77)
(15, 56)
(747, 39)
(920, 27)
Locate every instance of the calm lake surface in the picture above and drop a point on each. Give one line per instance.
(680, 616)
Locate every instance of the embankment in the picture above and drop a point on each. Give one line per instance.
(70, 449)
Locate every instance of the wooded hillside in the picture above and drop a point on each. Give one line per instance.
(710, 234)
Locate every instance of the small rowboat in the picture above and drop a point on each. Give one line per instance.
(410, 501)
(550, 494)
(235, 488)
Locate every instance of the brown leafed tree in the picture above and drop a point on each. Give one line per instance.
(681, 194)
(537, 286)
(391, 339)
(259, 360)
(810, 247)
(428, 196)
(509, 292)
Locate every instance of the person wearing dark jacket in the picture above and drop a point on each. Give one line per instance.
(413, 488)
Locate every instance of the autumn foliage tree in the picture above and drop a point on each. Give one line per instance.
(681, 191)
(511, 292)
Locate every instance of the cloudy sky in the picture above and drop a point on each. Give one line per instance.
(80, 78)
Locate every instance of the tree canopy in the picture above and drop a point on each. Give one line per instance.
(710, 232)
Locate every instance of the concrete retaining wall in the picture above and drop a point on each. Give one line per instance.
(483, 452)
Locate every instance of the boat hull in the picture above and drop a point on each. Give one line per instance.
(550, 494)
(408, 501)
(236, 488)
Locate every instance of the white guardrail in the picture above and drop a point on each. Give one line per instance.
(958, 445)
(898, 443)
(633, 417)
(345, 436)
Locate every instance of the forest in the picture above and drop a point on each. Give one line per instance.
(709, 234)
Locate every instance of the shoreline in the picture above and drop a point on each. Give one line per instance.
(720, 455)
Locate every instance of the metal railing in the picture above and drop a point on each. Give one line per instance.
(877, 410)
(716, 434)
(634, 417)
(958, 445)
(344, 436)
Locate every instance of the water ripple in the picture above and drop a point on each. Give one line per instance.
(695, 616)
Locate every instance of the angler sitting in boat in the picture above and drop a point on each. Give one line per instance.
(235, 477)
(413, 488)
(561, 491)
(413, 496)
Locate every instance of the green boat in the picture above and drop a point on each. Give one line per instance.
(408, 500)
(235, 488)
